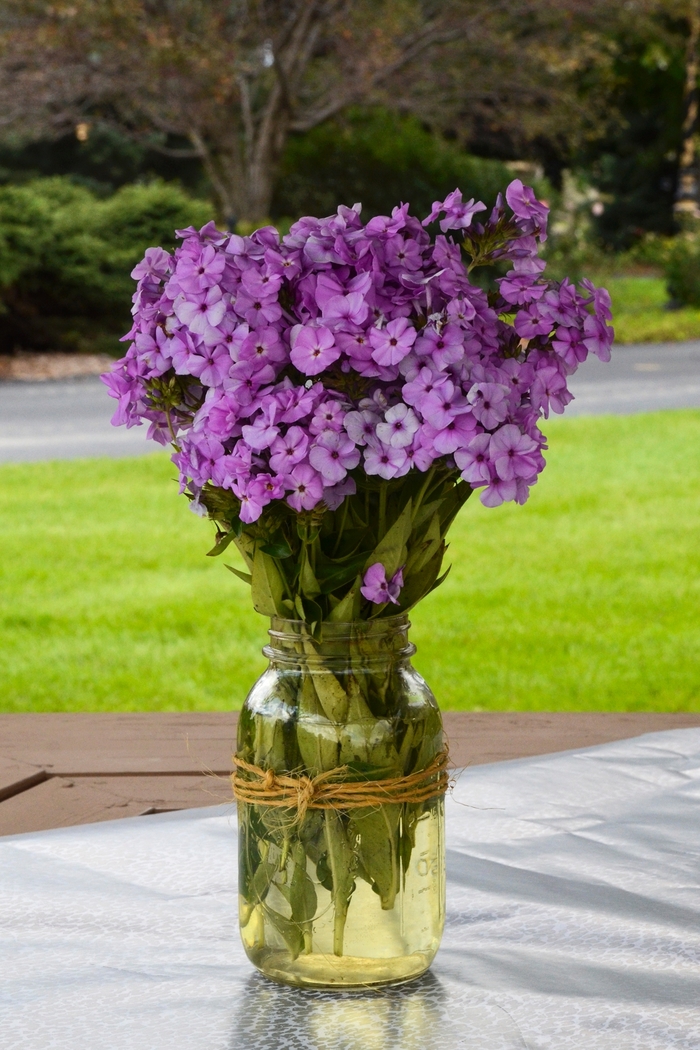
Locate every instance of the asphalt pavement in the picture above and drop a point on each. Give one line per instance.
(70, 419)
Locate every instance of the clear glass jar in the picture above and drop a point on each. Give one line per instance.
(343, 897)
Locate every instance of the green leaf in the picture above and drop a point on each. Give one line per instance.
(348, 608)
(291, 931)
(424, 549)
(302, 892)
(391, 550)
(266, 585)
(261, 881)
(376, 832)
(341, 861)
(308, 583)
(277, 550)
(342, 574)
(245, 576)
(222, 541)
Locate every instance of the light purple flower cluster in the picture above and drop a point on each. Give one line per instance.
(280, 366)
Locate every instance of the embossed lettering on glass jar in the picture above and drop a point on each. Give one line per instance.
(341, 892)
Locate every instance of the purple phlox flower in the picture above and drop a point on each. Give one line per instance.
(155, 264)
(345, 309)
(357, 347)
(549, 390)
(602, 304)
(262, 432)
(334, 496)
(498, 492)
(329, 415)
(518, 377)
(457, 433)
(375, 587)
(361, 427)
(384, 225)
(474, 461)
(419, 456)
(313, 349)
(261, 284)
(201, 311)
(284, 264)
(306, 487)
(209, 364)
(531, 322)
(262, 345)
(460, 311)
(568, 344)
(520, 288)
(297, 402)
(183, 347)
(233, 468)
(333, 454)
(257, 311)
(245, 379)
(489, 403)
(524, 205)
(443, 346)
(511, 452)
(198, 457)
(197, 273)
(392, 343)
(424, 382)
(287, 450)
(150, 352)
(386, 461)
(442, 404)
(222, 416)
(403, 252)
(399, 426)
(256, 494)
(128, 393)
(326, 286)
(458, 213)
(598, 337)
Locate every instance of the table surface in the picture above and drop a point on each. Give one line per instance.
(58, 770)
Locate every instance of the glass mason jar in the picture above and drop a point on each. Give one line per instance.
(341, 897)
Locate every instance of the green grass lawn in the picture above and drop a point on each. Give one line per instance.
(640, 314)
(586, 598)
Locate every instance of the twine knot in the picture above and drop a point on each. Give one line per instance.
(333, 790)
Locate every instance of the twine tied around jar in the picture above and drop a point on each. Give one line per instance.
(332, 789)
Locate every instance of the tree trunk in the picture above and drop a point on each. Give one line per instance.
(687, 204)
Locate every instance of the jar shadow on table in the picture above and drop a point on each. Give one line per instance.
(424, 1013)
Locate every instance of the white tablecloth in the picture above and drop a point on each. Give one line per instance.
(573, 924)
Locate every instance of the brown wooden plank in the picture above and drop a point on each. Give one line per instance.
(16, 776)
(64, 801)
(477, 737)
(138, 743)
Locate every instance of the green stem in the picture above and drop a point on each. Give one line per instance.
(382, 511)
(343, 520)
(424, 488)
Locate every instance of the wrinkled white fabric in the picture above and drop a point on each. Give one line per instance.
(573, 924)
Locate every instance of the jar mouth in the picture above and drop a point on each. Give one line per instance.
(337, 630)
(370, 639)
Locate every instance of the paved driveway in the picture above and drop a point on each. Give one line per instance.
(70, 418)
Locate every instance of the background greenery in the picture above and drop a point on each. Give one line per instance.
(586, 598)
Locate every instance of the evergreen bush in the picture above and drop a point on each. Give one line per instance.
(66, 258)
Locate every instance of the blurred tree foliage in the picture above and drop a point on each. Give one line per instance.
(378, 158)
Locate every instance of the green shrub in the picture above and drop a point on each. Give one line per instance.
(683, 270)
(66, 257)
(379, 159)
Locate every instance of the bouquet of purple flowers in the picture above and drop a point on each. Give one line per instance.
(335, 395)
